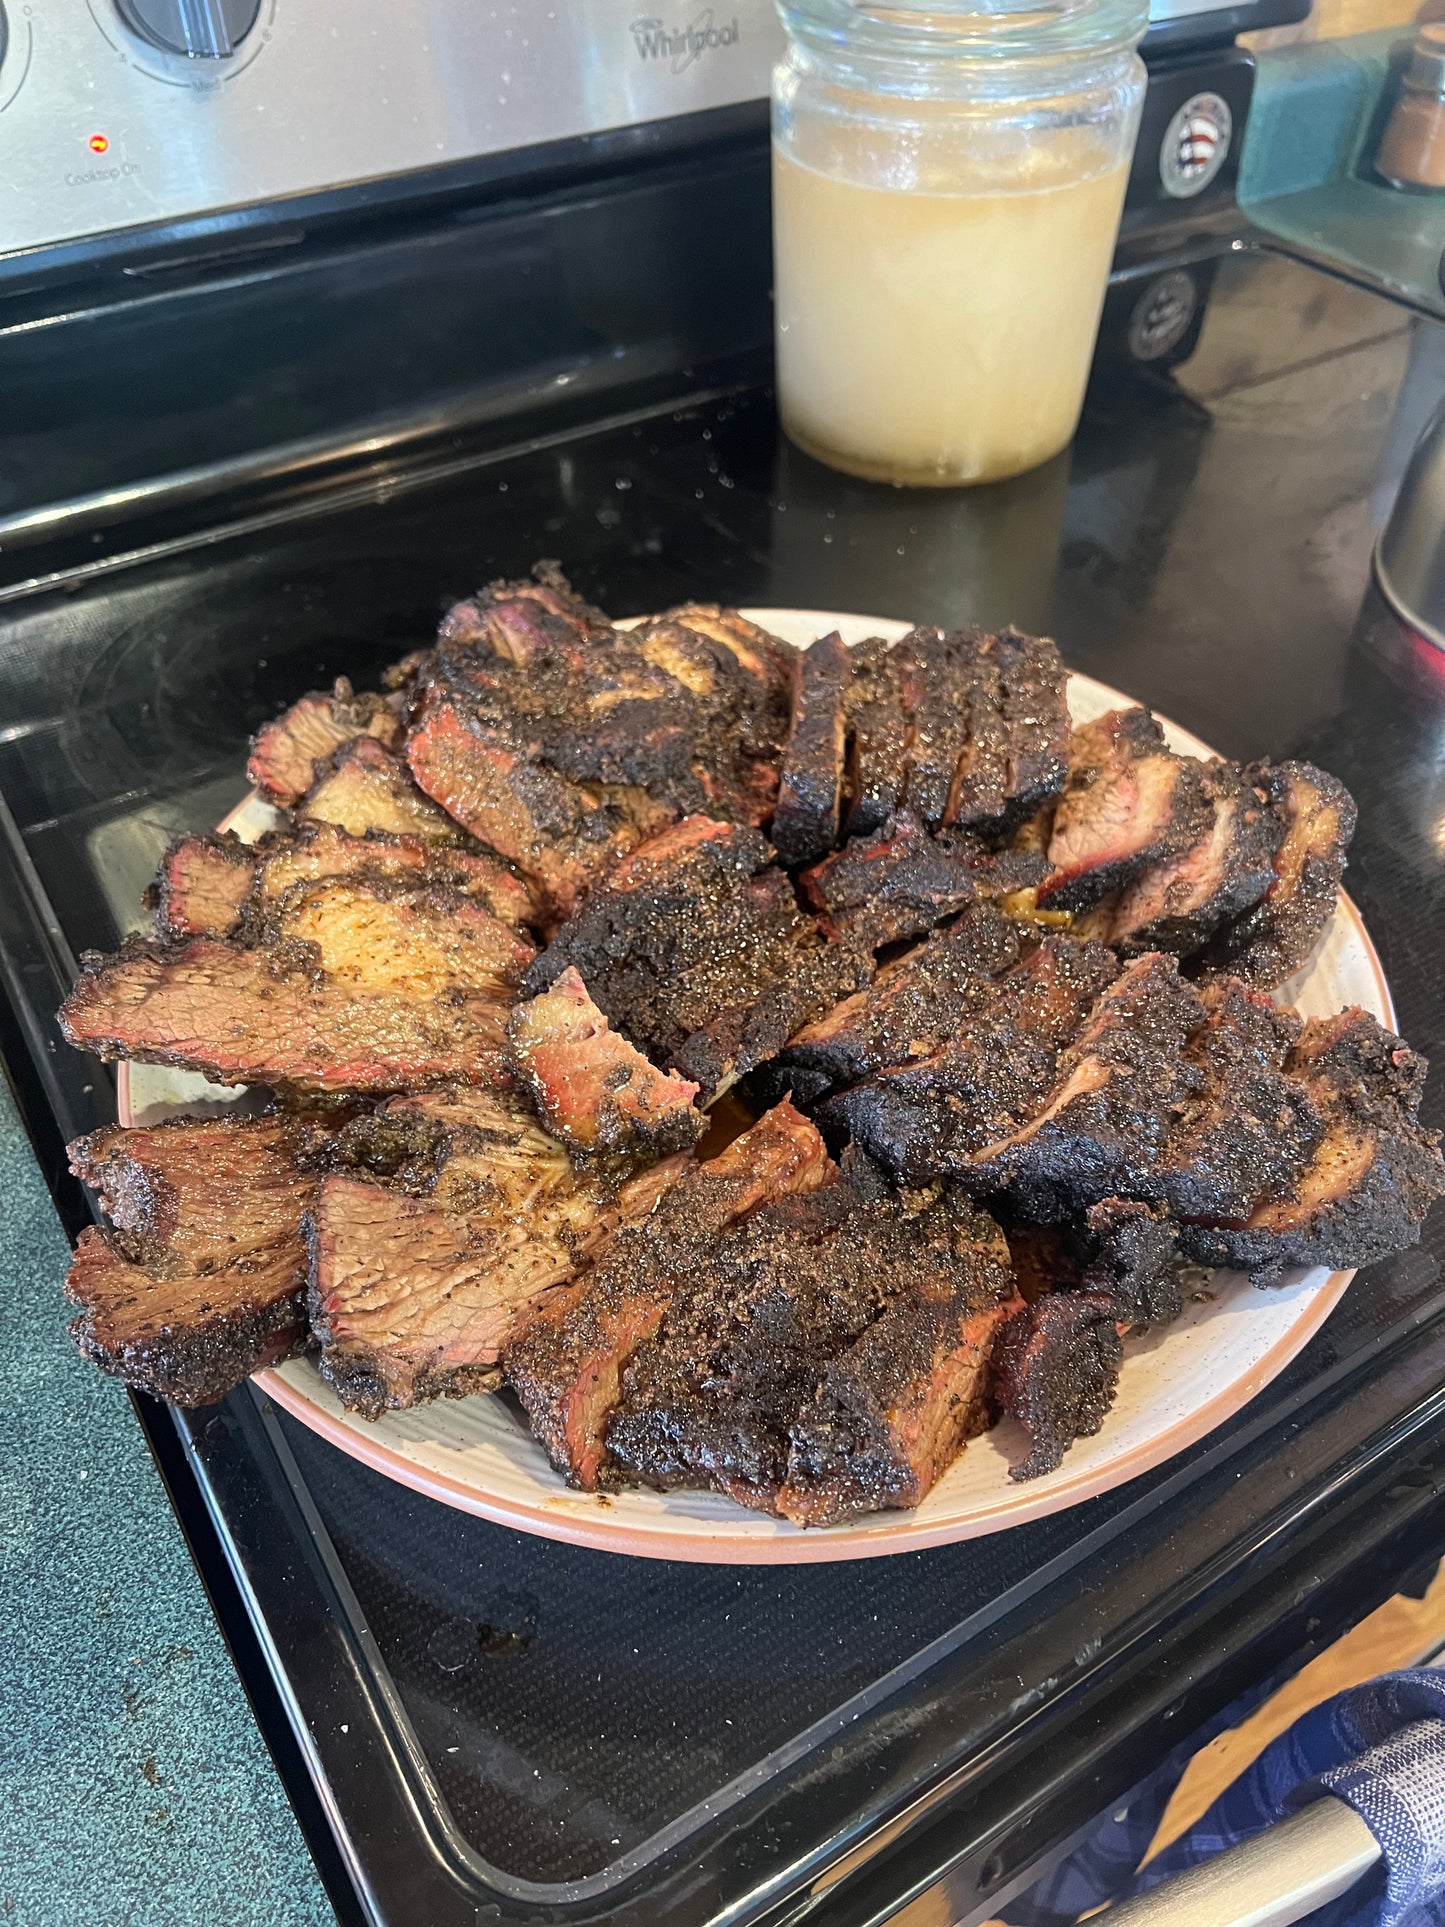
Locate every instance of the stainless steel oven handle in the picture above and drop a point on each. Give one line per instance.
(1277, 1877)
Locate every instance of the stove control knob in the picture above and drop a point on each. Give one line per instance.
(200, 29)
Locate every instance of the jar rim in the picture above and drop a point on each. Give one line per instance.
(929, 32)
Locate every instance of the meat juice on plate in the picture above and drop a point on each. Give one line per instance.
(933, 336)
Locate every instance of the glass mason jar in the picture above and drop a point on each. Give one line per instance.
(947, 182)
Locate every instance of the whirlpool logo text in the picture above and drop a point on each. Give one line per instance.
(681, 46)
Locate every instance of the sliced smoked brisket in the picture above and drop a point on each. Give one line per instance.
(1129, 803)
(353, 984)
(988, 725)
(1178, 903)
(202, 886)
(460, 1217)
(1313, 817)
(1056, 1371)
(590, 1086)
(902, 881)
(810, 789)
(697, 951)
(826, 1358)
(202, 1278)
(286, 754)
(1372, 1174)
(914, 1006)
(364, 788)
(567, 1362)
(931, 1116)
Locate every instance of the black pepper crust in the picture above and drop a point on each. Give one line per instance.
(697, 951)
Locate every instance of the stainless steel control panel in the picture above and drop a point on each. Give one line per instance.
(115, 113)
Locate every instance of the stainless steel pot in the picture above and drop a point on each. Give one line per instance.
(1410, 554)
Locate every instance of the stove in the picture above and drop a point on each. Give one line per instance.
(224, 488)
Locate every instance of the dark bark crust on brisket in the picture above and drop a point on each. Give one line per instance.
(1373, 1173)
(419, 1280)
(696, 950)
(810, 788)
(930, 1118)
(825, 1359)
(201, 1280)
(913, 1007)
(1101, 1129)
(1244, 1130)
(1132, 1254)
(1313, 818)
(1056, 1370)
(989, 725)
(567, 1362)
(901, 881)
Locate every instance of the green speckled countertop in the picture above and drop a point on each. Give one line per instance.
(135, 1789)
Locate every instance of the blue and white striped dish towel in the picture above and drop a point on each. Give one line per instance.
(1378, 1747)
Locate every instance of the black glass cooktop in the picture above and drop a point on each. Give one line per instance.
(501, 1727)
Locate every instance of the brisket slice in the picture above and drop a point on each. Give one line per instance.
(894, 1409)
(676, 713)
(202, 885)
(1056, 1371)
(1372, 1175)
(877, 736)
(590, 1086)
(1056, 1366)
(594, 711)
(414, 938)
(901, 881)
(567, 1362)
(202, 1279)
(208, 886)
(1129, 803)
(363, 986)
(1314, 819)
(736, 735)
(826, 1358)
(286, 754)
(1131, 1253)
(561, 835)
(930, 1117)
(364, 788)
(913, 1007)
(1243, 1130)
(769, 665)
(1101, 1127)
(417, 1284)
(695, 949)
(1121, 1248)
(318, 850)
(988, 725)
(1177, 904)
(810, 788)
(513, 619)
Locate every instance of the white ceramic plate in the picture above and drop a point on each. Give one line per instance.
(1176, 1385)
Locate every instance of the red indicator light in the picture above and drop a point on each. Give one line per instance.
(98, 143)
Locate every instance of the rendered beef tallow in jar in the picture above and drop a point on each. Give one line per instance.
(947, 182)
